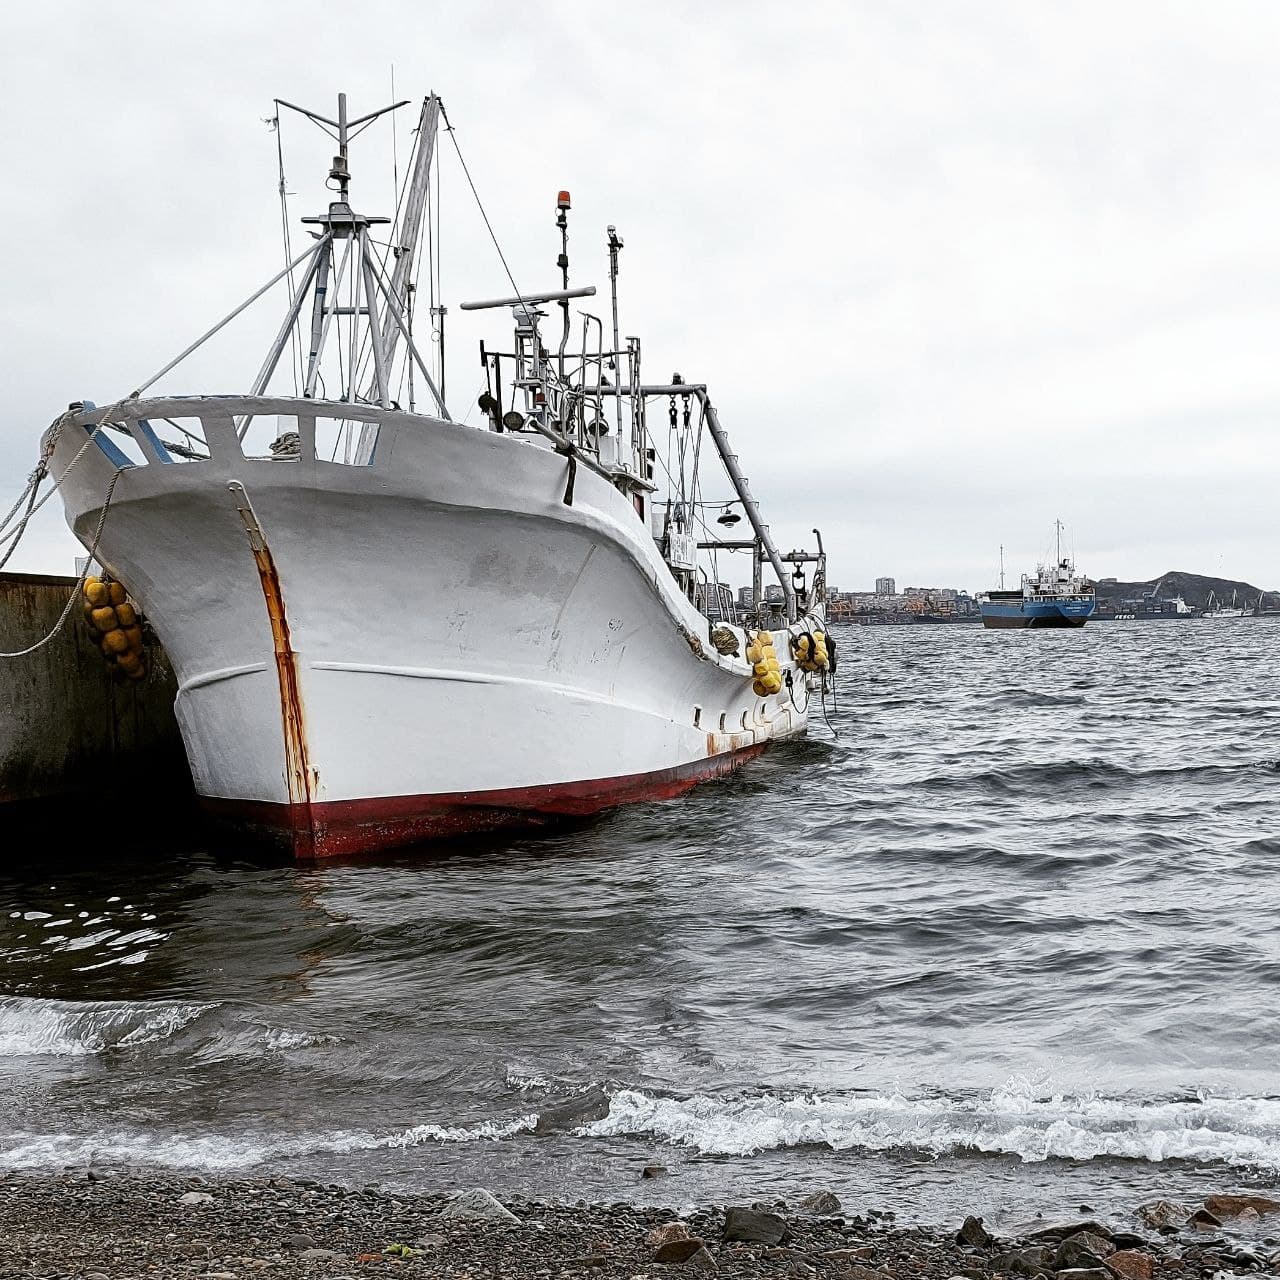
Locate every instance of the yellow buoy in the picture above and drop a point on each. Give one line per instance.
(126, 615)
(129, 662)
(116, 592)
(134, 636)
(760, 687)
(104, 618)
(760, 670)
(95, 592)
(115, 641)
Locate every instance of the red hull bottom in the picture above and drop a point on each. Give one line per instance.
(347, 828)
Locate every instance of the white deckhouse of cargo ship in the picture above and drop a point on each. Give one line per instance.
(389, 626)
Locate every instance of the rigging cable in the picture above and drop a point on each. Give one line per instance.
(295, 347)
(479, 203)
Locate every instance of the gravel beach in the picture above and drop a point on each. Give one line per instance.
(93, 1225)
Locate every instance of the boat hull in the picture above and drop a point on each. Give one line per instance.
(1035, 614)
(349, 828)
(430, 643)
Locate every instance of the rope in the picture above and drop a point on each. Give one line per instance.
(16, 534)
(479, 203)
(295, 350)
(84, 573)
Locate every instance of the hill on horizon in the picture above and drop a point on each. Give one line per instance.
(1194, 588)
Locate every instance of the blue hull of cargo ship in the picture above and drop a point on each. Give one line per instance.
(1035, 613)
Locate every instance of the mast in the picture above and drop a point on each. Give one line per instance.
(1002, 566)
(406, 239)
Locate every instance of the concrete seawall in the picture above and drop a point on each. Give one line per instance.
(67, 726)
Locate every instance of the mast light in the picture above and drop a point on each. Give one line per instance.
(562, 200)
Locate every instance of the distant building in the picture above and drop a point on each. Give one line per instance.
(886, 587)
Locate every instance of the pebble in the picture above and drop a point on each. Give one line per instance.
(821, 1202)
(754, 1225)
(478, 1204)
(138, 1225)
(678, 1250)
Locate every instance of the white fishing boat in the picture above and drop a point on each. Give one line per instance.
(388, 626)
(1216, 612)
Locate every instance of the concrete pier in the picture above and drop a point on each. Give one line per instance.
(67, 725)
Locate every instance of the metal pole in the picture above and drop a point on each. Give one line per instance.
(344, 176)
(442, 311)
(226, 320)
(615, 244)
(291, 318)
(357, 279)
(317, 313)
(411, 218)
(394, 308)
(562, 221)
(743, 491)
(375, 333)
(314, 371)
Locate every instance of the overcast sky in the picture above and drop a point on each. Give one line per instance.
(950, 269)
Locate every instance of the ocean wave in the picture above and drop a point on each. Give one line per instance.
(219, 1153)
(1063, 775)
(1008, 1121)
(35, 1027)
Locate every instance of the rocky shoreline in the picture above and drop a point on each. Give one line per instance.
(103, 1226)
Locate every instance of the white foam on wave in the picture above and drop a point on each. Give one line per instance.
(222, 1153)
(487, 1131)
(1012, 1120)
(30, 1027)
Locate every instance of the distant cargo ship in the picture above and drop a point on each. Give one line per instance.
(1057, 596)
(1146, 610)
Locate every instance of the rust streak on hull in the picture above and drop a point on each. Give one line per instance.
(298, 773)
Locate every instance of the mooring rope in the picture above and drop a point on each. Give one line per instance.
(14, 535)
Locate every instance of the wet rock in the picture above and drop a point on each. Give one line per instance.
(1130, 1264)
(1129, 1240)
(320, 1255)
(858, 1272)
(754, 1226)
(1085, 1273)
(665, 1233)
(1232, 1206)
(678, 1250)
(1203, 1220)
(702, 1261)
(477, 1205)
(1164, 1215)
(1060, 1231)
(653, 1170)
(973, 1234)
(1082, 1250)
(1035, 1261)
(590, 1105)
(298, 1241)
(822, 1203)
(848, 1257)
(195, 1197)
